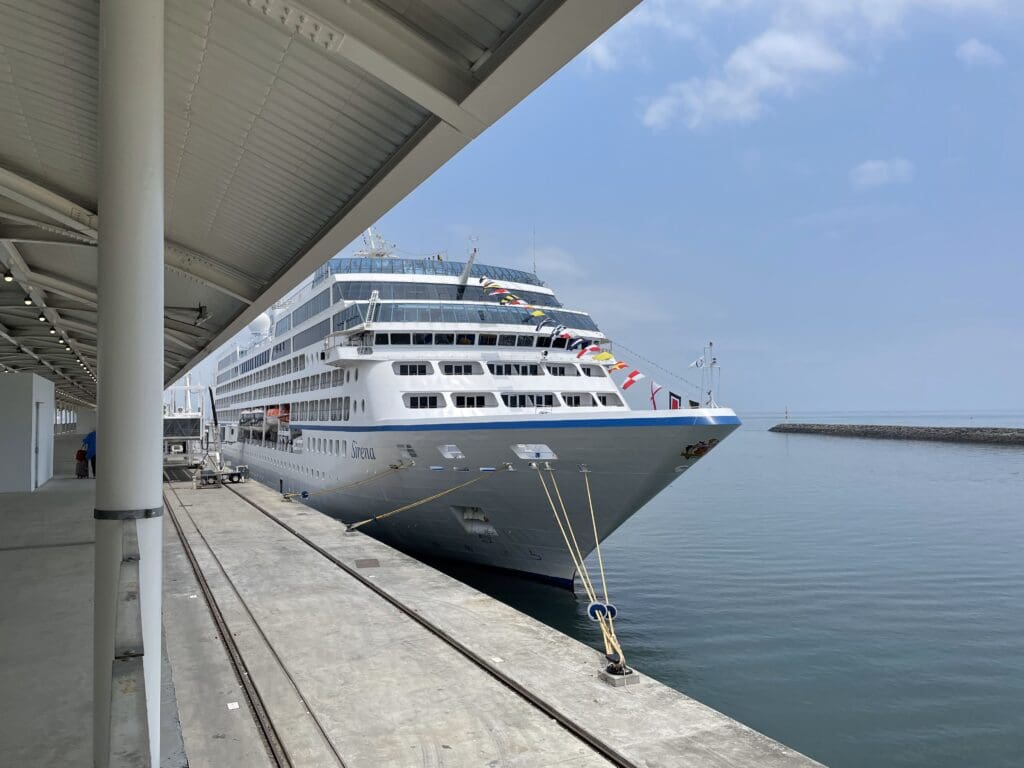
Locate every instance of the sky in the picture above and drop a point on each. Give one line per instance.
(830, 190)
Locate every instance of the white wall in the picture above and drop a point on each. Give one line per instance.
(42, 393)
(19, 392)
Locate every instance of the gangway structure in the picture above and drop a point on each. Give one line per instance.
(165, 155)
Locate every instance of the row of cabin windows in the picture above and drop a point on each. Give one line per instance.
(284, 368)
(529, 399)
(514, 369)
(328, 409)
(404, 266)
(336, 377)
(468, 340)
(499, 369)
(361, 290)
(513, 400)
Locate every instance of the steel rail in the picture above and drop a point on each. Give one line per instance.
(271, 740)
(594, 742)
(280, 662)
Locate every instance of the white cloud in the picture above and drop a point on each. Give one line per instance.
(777, 62)
(974, 53)
(625, 41)
(878, 173)
(802, 42)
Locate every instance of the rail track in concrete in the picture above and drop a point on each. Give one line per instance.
(274, 745)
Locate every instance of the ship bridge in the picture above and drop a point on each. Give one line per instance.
(171, 168)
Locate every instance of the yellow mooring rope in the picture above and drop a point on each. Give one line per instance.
(611, 641)
(427, 500)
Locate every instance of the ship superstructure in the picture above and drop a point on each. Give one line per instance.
(386, 381)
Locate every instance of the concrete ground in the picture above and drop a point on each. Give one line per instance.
(351, 679)
(46, 568)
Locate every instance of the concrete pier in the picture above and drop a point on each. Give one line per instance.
(362, 656)
(290, 641)
(987, 435)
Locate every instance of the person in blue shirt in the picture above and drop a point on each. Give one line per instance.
(90, 450)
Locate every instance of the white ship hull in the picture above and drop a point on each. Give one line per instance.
(505, 519)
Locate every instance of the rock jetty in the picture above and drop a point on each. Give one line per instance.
(989, 435)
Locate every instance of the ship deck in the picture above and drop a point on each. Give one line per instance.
(291, 641)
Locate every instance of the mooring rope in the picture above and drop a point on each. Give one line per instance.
(604, 619)
(427, 500)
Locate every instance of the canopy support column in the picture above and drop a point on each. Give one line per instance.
(130, 341)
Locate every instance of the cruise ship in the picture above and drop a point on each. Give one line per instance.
(458, 407)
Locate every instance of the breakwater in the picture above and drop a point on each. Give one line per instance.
(988, 435)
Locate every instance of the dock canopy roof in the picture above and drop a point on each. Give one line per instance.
(290, 127)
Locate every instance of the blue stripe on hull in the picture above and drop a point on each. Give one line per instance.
(675, 421)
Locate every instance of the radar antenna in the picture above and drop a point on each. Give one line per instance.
(375, 246)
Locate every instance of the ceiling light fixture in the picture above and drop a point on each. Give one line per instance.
(28, 301)
(8, 277)
(41, 318)
(53, 331)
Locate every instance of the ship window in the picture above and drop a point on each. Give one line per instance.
(577, 399)
(381, 339)
(423, 338)
(514, 369)
(445, 339)
(357, 374)
(345, 408)
(528, 399)
(562, 370)
(609, 399)
(413, 369)
(463, 339)
(470, 401)
(524, 341)
(559, 343)
(488, 340)
(460, 369)
(423, 401)
(400, 338)
(595, 371)
(507, 340)
(348, 374)
(543, 341)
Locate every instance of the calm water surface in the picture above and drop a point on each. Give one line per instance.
(860, 600)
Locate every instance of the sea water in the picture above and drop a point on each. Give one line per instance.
(859, 600)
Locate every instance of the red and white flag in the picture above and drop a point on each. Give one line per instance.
(632, 378)
(655, 389)
(587, 349)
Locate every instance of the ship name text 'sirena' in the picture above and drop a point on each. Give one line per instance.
(386, 381)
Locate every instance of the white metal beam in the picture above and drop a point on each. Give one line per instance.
(210, 272)
(50, 204)
(83, 224)
(382, 47)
